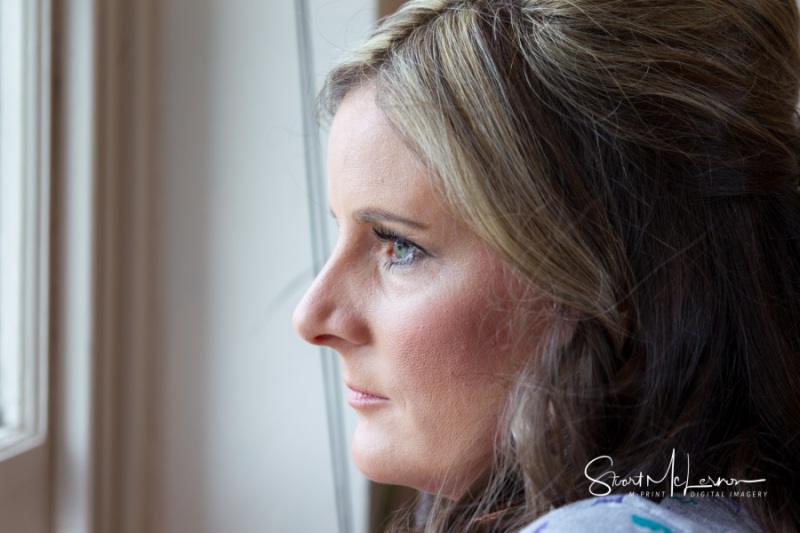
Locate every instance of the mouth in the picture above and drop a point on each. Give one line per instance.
(362, 398)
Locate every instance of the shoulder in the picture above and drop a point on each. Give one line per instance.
(632, 513)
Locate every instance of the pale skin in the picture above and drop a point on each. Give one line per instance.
(419, 310)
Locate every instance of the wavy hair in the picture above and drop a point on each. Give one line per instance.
(637, 160)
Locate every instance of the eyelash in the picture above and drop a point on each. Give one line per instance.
(387, 236)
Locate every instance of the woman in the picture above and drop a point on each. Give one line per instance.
(568, 265)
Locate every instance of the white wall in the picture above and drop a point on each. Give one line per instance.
(242, 443)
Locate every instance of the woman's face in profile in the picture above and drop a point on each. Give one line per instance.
(420, 311)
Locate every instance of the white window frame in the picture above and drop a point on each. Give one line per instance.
(86, 87)
(24, 220)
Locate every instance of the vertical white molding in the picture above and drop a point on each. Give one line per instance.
(73, 182)
(101, 452)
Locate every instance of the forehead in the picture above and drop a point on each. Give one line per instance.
(366, 158)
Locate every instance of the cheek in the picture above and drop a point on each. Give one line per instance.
(453, 357)
(464, 331)
(447, 356)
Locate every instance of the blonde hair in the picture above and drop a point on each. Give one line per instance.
(637, 161)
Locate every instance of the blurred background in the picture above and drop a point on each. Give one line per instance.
(244, 442)
(164, 212)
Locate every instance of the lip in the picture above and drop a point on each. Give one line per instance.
(359, 398)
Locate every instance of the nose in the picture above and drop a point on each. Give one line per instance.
(331, 312)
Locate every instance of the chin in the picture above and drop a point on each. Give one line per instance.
(373, 458)
(382, 461)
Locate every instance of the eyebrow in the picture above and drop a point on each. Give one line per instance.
(372, 215)
(369, 215)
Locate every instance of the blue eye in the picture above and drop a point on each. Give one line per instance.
(401, 251)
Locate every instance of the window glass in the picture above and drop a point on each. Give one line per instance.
(11, 139)
(24, 165)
